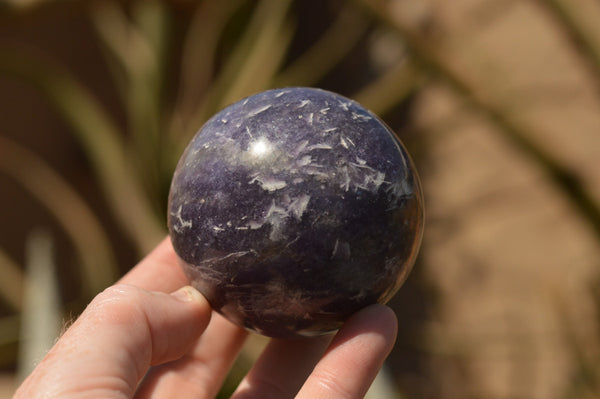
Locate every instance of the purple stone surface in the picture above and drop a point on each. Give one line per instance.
(294, 208)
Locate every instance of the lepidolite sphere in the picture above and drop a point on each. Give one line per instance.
(294, 208)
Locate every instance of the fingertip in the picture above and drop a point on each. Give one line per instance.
(196, 307)
(176, 324)
(189, 294)
(381, 318)
(375, 319)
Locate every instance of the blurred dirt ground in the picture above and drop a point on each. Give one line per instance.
(513, 262)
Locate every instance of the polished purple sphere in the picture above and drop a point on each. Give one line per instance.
(294, 208)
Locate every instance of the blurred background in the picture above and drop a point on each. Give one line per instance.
(497, 101)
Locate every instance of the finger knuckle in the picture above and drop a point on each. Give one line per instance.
(117, 303)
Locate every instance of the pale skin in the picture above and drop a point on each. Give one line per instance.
(136, 340)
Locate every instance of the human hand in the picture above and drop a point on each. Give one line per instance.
(134, 340)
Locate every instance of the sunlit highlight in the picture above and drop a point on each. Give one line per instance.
(260, 147)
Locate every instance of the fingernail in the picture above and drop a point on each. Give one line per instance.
(187, 294)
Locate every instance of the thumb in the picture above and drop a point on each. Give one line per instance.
(121, 333)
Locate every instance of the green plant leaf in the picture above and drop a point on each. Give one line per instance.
(390, 88)
(259, 53)
(11, 283)
(99, 268)
(343, 34)
(138, 46)
(100, 139)
(198, 60)
(254, 60)
(41, 318)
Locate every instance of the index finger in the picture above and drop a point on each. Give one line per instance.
(158, 271)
